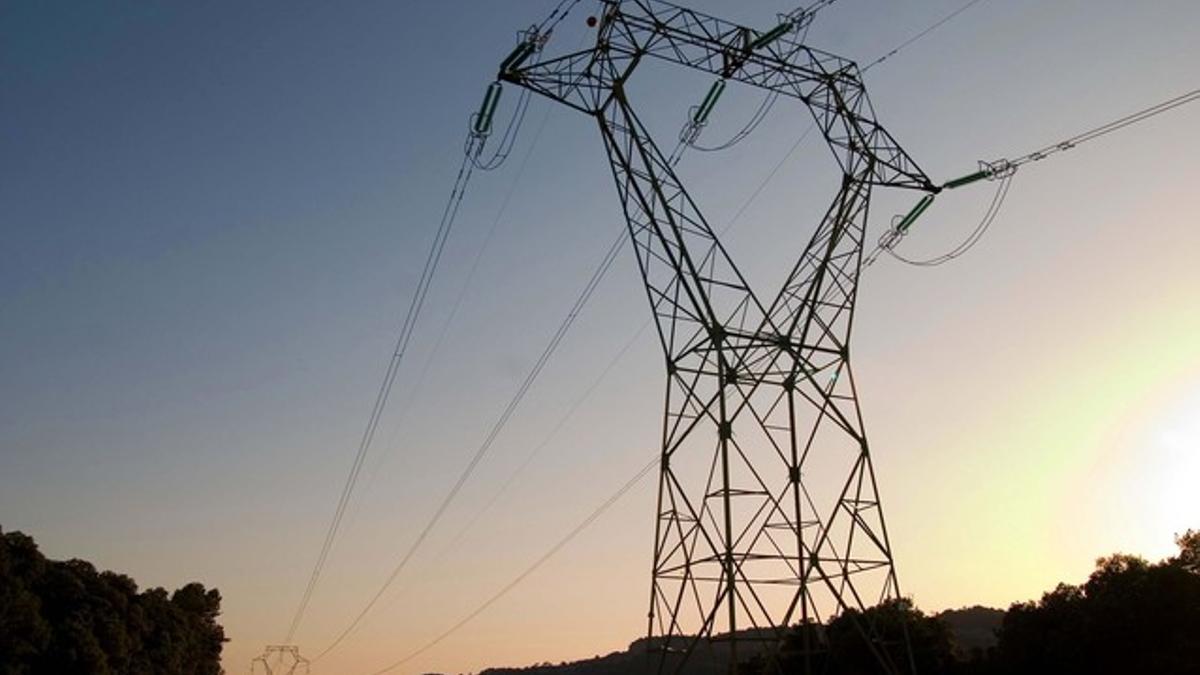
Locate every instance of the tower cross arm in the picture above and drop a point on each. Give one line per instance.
(774, 60)
(575, 80)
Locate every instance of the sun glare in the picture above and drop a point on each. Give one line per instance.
(1170, 463)
(1178, 446)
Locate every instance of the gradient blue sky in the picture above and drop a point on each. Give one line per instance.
(213, 216)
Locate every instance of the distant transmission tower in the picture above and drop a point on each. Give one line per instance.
(768, 513)
(287, 660)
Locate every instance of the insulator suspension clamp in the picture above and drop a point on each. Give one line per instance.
(1001, 168)
(691, 129)
(890, 236)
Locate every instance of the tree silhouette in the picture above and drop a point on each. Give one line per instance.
(1130, 616)
(1189, 551)
(850, 643)
(65, 617)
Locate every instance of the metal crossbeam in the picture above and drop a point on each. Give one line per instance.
(829, 85)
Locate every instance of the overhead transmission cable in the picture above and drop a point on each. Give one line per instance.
(480, 126)
(473, 143)
(967, 244)
(596, 275)
(929, 29)
(689, 134)
(480, 452)
(1002, 170)
(444, 331)
(560, 12)
(589, 288)
(602, 269)
(1102, 130)
(533, 567)
(385, 388)
(599, 273)
(575, 406)
(624, 488)
(445, 327)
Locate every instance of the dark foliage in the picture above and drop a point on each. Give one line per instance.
(1130, 616)
(973, 629)
(66, 617)
(842, 646)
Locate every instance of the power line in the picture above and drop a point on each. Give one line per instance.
(471, 151)
(474, 146)
(489, 440)
(591, 518)
(554, 431)
(967, 244)
(474, 142)
(596, 276)
(385, 388)
(607, 503)
(556, 16)
(690, 134)
(1004, 169)
(998, 200)
(929, 29)
(1098, 132)
(971, 240)
(462, 293)
(614, 248)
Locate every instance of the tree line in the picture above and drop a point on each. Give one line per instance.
(1129, 616)
(65, 617)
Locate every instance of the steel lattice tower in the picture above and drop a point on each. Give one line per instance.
(285, 656)
(768, 511)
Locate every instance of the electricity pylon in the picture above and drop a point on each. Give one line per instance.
(768, 511)
(285, 657)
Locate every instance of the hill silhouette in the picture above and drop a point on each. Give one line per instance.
(968, 630)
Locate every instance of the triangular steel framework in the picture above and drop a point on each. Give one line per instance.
(284, 656)
(768, 510)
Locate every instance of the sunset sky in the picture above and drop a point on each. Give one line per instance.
(214, 216)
